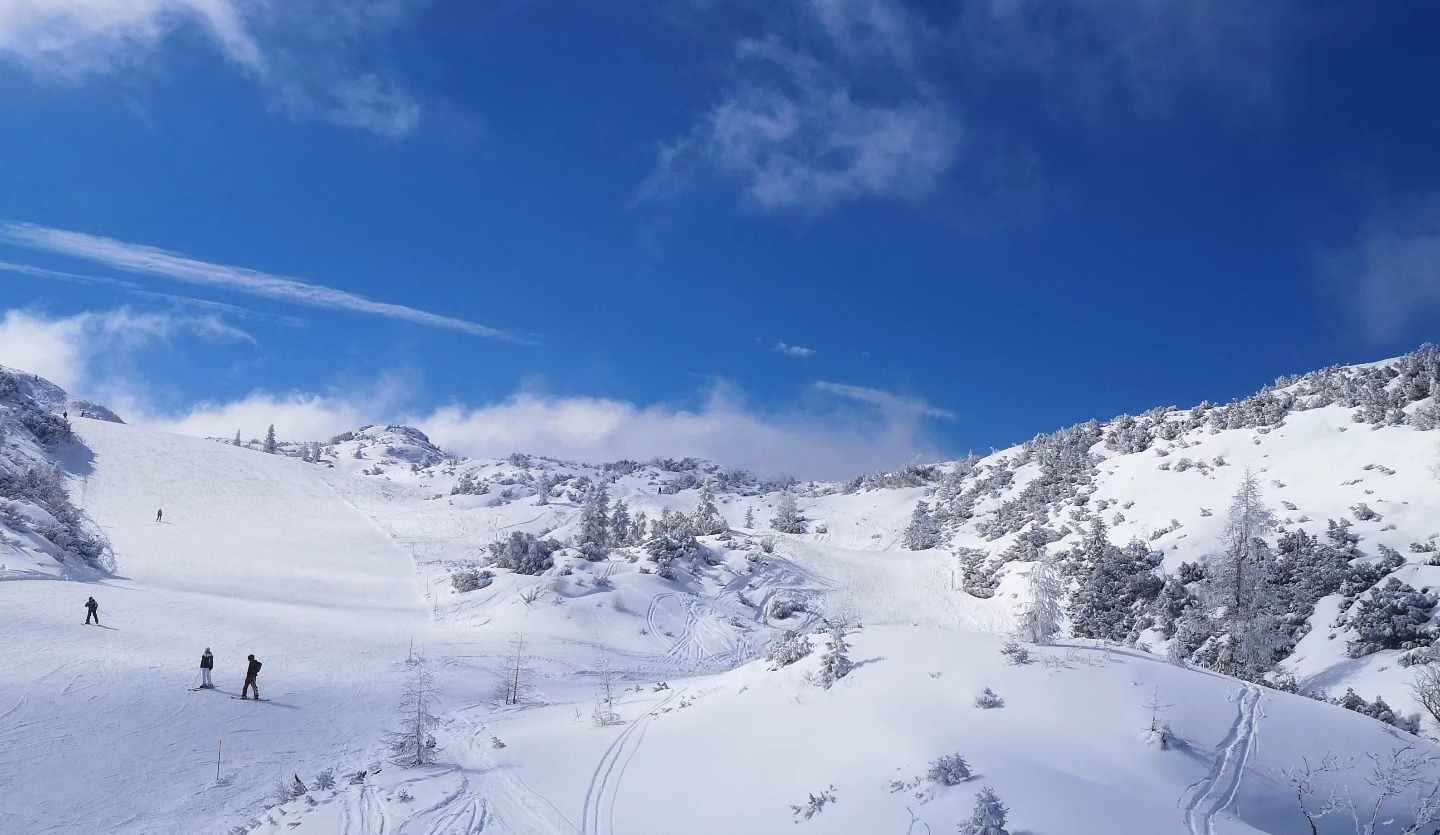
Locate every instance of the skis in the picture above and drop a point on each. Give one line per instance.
(197, 689)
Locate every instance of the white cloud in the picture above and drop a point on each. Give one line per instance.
(1141, 53)
(793, 350)
(148, 260)
(884, 400)
(75, 37)
(303, 52)
(81, 352)
(799, 132)
(1390, 277)
(723, 429)
(92, 355)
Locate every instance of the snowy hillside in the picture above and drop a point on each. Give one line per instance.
(670, 646)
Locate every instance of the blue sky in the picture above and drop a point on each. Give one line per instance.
(821, 236)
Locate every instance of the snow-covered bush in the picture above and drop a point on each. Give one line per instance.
(1393, 616)
(785, 608)
(988, 817)
(1015, 653)
(325, 779)
(949, 770)
(1364, 513)
(1377, 709)
(787, 650)
(469, 579)
(666, 548)
(923, 531)
(524, 553)
(814, 805)
(988, 700)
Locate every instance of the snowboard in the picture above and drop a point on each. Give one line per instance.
(197, 689)
(250, 700)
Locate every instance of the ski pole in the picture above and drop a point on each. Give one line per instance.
(218, 749)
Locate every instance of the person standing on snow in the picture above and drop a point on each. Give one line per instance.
(158, 514)
(250, 673)
(92, 610)
(207, 663)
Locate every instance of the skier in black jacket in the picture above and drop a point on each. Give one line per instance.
(207, 663)
(92, 610)
(250, 673)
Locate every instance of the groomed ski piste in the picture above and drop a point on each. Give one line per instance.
(333, 579)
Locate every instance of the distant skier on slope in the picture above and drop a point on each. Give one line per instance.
(250, 673)
(207, 663)
(158, 515)
(92, 610)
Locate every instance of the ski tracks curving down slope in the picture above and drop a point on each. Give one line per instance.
(1206, 799)
(599, 815)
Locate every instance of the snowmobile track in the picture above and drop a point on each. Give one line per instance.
(1207, 798)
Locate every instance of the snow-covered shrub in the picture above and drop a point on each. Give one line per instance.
(814, 805)
(1015, 653)
(325, 779)
(667, 548)
(923, 532)
(404, 796)
(988, 817)
(979, 578)
(988, 700)
(785, 607)
(949, 770)
(1364, 513)
(468, 579)
(787, 650)
(1393, 616)
(1377, 709)
(524, 553)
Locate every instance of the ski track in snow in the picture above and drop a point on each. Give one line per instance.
(1216, 792)
(599, 815)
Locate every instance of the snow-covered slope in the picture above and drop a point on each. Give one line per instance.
(330, 560)
(254, 555)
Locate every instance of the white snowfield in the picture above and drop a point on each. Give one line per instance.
(328, 576)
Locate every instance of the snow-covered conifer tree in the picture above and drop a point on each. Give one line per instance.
(988, 817)
(707, 521)
(787, 515)
(270, 446)
(835, 662)
(414, 743)
(236, 442)
(923, 531)
(594, 539)
(749, 518)
(620, 524)
(1041, 621)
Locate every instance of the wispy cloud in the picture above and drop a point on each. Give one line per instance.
(1142, 54)
(152, 261)
(304, 53)
(796, 131)
(884, 400)
(1389, 278)
(134, 289)
(793, 350)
